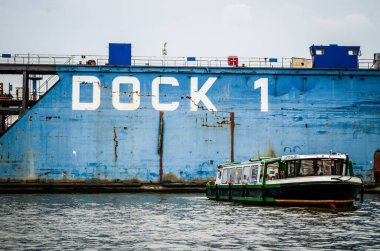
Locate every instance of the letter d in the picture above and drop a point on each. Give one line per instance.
(77, 81)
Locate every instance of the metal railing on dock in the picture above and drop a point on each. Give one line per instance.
(256, 62)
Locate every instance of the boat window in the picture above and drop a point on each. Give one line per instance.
(291, 168)
(246, 175)
(229, 176)
(272, 171)
(331, 167)
(327, 164)
(343, 169)
(232, 176)
(337, 168)
(261, 172)
(254, 174)
(239, 172)
(314, 167)
(225, 175)
(319, 166)
(307, 168)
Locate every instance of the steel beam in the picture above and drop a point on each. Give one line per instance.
(31, 69)
(9, 111)
(25, 92)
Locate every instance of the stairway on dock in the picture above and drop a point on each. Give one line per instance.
(36, 81)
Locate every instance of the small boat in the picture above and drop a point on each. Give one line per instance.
(292, 180)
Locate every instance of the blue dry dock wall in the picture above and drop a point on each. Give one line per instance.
(117, 137)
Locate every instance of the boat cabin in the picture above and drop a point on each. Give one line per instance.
(257, 171)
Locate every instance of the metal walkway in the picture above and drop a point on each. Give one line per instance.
(254, 62)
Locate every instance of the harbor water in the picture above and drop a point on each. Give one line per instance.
(148, 221)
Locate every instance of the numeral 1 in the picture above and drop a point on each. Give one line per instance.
(263, 84)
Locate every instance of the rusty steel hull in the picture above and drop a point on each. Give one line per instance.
(173, 128)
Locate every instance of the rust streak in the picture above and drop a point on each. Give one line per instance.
(116, 143)
(224, 122)
(160, 143)
(205, 125)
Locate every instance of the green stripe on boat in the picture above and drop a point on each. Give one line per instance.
(272, 185)
(224, 198)
(247, 198)
(223, 186)
(254, 186)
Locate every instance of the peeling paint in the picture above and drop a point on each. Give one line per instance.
(170, 177)
(52, 117)
(271, 152)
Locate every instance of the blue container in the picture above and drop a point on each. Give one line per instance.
(334, 56)
(120, 54)
(191, 59)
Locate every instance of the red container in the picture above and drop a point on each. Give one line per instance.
(233, 61)
(376, 166)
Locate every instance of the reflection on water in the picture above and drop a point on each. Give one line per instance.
(179, 222)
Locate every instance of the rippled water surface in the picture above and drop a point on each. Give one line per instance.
(178, 222)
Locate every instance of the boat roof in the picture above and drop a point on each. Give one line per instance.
(228, 164)
(314, 156)
(249, 162)
(285, 158)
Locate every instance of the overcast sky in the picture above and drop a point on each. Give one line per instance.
(246, 28)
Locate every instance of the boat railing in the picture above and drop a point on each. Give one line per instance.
(252, 62)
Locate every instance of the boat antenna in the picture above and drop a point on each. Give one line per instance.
(164, 52)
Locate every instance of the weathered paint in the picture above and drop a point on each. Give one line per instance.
(308, 111)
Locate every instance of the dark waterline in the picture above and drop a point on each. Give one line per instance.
(178, 222)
